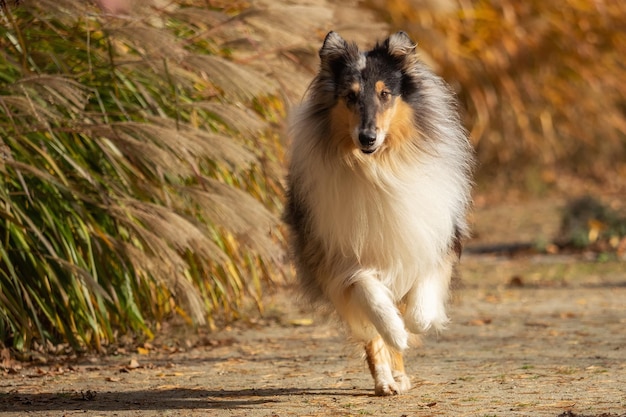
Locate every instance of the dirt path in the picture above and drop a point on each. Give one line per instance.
(530, 336)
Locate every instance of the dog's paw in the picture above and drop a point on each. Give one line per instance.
(418, 322)
(402, 381)
(387, 388)
(386, 385)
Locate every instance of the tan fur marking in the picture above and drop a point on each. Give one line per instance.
(397, 361)
(376, 354)
(401, 125)
(384, 118)
(379, 86)
(356, 88)
(342, 122)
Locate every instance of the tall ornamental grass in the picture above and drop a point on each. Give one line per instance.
(138, 173)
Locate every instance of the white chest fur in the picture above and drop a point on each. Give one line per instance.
(399, 221)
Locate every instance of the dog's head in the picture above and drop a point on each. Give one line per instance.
(369, 89)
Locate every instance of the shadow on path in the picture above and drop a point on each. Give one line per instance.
(165, 399)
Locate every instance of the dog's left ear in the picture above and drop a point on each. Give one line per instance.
(400, 45)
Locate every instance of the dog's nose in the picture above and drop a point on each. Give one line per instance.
(367, 138)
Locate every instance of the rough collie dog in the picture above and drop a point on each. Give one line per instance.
(377, 194)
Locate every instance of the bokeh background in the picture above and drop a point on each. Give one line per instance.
(142, 144)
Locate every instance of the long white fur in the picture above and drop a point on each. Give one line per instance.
(386, 226)
(398, 222)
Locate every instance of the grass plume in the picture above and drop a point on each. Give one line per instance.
(137, 178)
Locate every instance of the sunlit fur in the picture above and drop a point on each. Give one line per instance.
(377, 194)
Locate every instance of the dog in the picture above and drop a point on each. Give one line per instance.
(377, 192)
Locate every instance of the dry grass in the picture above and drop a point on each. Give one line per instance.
(542, 82)
(139, 179)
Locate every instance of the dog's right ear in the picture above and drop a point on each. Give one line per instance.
(336, 54)
(334, 47)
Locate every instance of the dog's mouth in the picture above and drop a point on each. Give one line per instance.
(369, 150)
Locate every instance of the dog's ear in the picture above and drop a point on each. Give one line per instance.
(334, 46)
(401, 48)
(336, 53)
(400, 45)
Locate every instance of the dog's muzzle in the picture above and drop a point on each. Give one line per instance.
(367, 139)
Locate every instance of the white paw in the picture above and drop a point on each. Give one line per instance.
(402, 380)
(386, 388)
(386, 384)
(424, 311)
(419, 323)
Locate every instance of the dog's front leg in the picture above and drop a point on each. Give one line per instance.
(369, 300)
(426, 301)
(387, 368)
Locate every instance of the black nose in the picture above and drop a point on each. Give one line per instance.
(367, 138)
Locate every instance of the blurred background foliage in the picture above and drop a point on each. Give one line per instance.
(541, 82)
(141, 149)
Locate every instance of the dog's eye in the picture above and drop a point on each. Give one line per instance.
(385, 95)
(351, 97)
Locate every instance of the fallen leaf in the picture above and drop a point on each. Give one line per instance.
(536, 324)
(480, 322)
(5, 356)
(134, 364)
(301, 322)
(559, 404)
(595, 227)
(621, 247)
(493, 299)
(552, 249)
